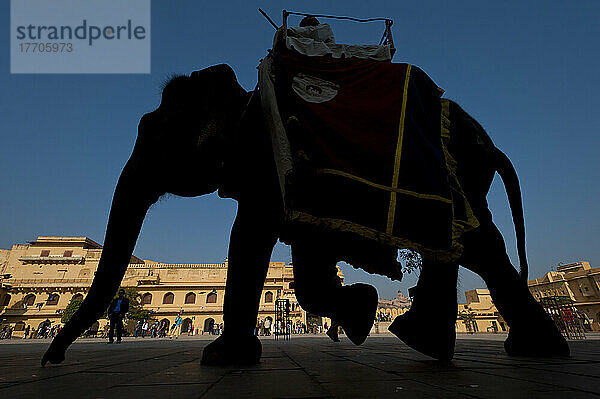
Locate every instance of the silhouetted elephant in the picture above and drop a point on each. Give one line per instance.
(206, 136)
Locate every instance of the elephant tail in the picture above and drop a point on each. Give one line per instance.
(507, 172)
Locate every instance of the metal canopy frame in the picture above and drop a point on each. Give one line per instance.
(386, 39)
(283, 325)
(565, 316)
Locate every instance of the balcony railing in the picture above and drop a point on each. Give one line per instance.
(154, 281)
(52, 259)
(17, 282)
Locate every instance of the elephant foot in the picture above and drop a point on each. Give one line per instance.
(55, 354)
(332, 333)
(431, 338)
(536, 341)
(232, 350)
(360, 307)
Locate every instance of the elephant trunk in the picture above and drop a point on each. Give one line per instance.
(132, 198)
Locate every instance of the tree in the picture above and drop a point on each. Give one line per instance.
(70, 310)
(410, 259)
(136, 312)
(468, 318)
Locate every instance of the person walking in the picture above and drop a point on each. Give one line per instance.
(163, 329)
(144, 328)
(257, 327)
(177, 327)
(45, 328)
(116, 311)
(268, 326)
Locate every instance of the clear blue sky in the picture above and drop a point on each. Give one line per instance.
(528, 71)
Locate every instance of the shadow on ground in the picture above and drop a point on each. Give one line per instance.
(301, 368)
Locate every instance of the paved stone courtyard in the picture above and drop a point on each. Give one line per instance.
(307, 367)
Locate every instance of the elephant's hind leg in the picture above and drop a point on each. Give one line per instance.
(532, 331)
(318, 290)
(429, 325)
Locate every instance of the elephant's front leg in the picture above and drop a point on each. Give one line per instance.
(250, 247)
(253, 236)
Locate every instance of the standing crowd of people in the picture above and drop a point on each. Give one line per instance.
(266, 327)
(44, 330)
(160, 329)
(163, 329)
(152, 329)
(381, 316)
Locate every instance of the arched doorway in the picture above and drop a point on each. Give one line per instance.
(163, 328)
(313, 323)
(269, 327)
(43, 329)
(209, 325)
(187, 323)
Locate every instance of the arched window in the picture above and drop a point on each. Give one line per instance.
(164, 324)
(77, 297)
(268, 297)
(53, 299)
(168, 298)
(6, 300)
(147, 299)
(29, 300)
(187, 325)
(190, 297)
(211, 297)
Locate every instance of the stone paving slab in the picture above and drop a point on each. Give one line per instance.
(304, 367)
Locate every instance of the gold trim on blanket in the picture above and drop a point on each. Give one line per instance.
(459, 226)
(341, 225)
(383, 187)
(392, 209)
